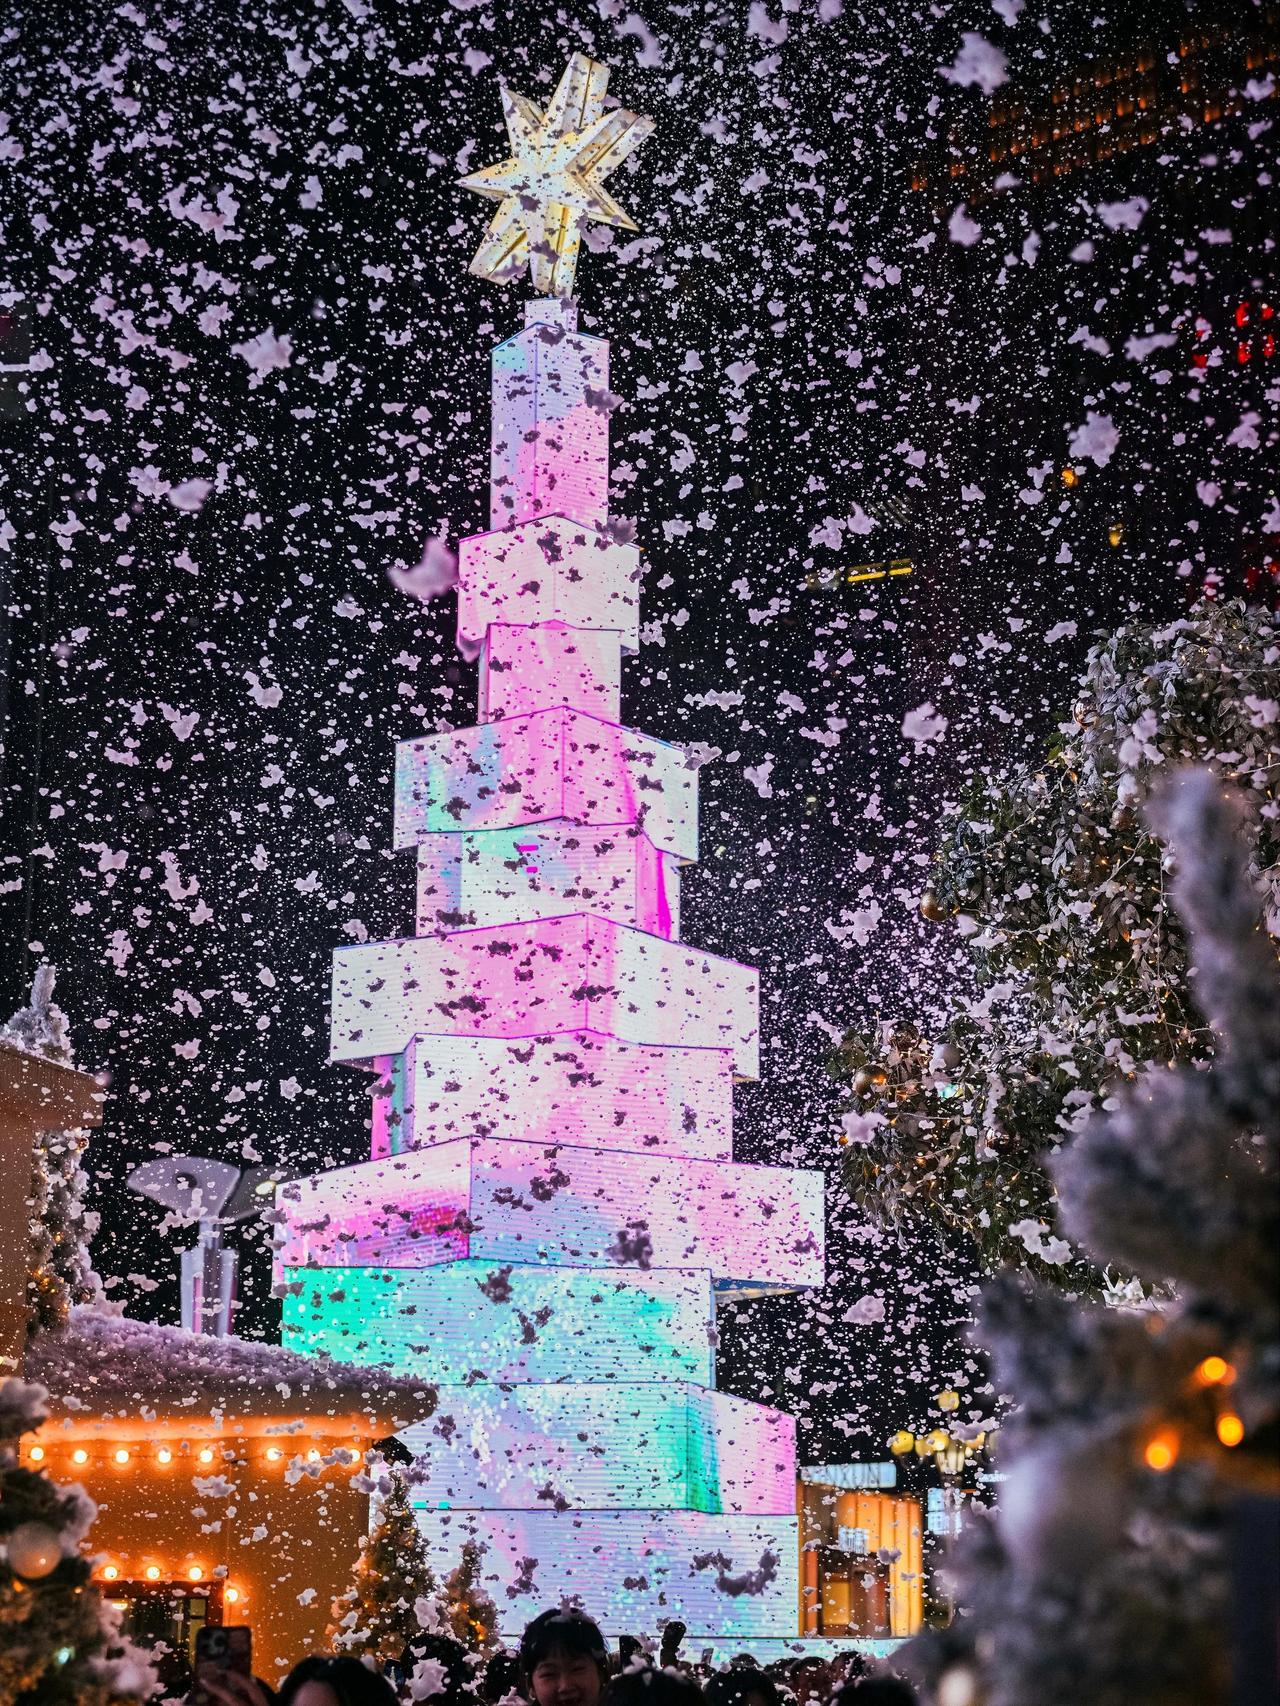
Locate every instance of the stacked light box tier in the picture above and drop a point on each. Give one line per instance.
(552, 1206)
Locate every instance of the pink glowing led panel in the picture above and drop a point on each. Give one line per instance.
(552, 570)
(525, 669)
(549, 443)
(720, 1575)
(556, 763)
(520, 1202)
(516, 980)
(579, 1088)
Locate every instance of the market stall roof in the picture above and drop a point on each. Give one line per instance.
(110, 1376)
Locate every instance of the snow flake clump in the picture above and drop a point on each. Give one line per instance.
(978, 61)
(1096, 439)
(263, 353)
(435, 573)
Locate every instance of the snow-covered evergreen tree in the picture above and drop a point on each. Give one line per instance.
(1106, 1574)
(60, 1641)
(1074, 964)
(376, 1618)
(61, 1270)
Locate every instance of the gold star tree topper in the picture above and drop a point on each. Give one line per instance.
(553, 183)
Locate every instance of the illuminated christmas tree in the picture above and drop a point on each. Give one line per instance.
(552, 1208)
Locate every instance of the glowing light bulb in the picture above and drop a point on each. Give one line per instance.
(36, 1454)
(121, 1455)
(1213, 1371)
(274, 1454)
(1161, 1452)
(152, 1572)
(79, 1455)
(1230, 1428)
(205, 1454)
(313, 1456)
(232, 1596)
(902, 1442)
(195, 1574)
(109, 1572)
(164, 1455)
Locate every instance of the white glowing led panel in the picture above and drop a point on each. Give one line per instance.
(484, 1321)
(524, 669)
(549, 438)
(516, 980)
(579, 1087)
(563, 1206)
(547, 870)
(552, 570)
(547, 1447)
(557, 763)
(631, 1570)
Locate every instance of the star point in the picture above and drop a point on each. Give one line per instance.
(553, 182)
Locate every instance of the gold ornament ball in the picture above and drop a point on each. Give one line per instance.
(34, 1551)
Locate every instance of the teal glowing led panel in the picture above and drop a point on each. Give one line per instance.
(664, 1446)
(473, 1320)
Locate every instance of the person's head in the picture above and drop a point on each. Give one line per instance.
(876, 1691)
(501, 1676)
(446, 1665)
(563, 1660)
(323, 1681)
(644, 1684)
(743, 1685)
(809, 1680)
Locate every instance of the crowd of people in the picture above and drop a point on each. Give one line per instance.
(564, 1660)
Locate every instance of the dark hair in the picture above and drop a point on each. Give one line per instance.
(501, 1676)
(643, 1684)
(731, 1687)
(459, 1677)
(354, 1683)
(876, 1691)
(569, 1632)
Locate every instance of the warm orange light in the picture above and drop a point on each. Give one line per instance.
(1215, 1371)
(274, 1454)
(121, 1455)
(1230, 1428)
(206, 1454)
(1161, 1452)
(313, 1456)
(164, 1455)
(1069, 477)
(152, 1572)
(232, 1596)
(36, 1454)
(109, 1572)
(195, 1574)
(79, 1455)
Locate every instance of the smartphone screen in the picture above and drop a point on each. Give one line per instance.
(220, 1649)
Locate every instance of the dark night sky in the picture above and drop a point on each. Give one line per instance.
(188, 847)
